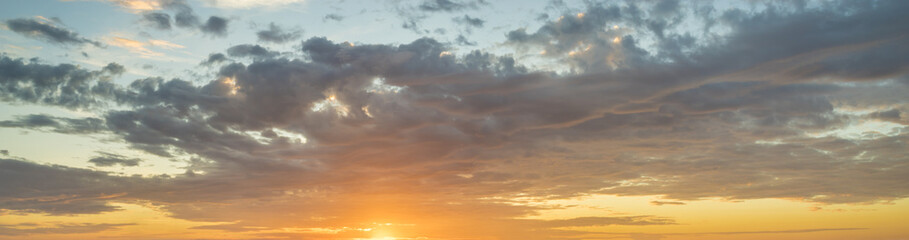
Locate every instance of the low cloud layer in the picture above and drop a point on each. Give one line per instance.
(13, 230)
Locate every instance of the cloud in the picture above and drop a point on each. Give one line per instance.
(606, 221)
(215, 26)
(462, 40)
(214, 58)
(412, 24)
(468, 21)
(892, 114)
(789, 231)
(157, 20)
(113, 69)
(413, 15)
(109, 160)
(165, 44)
(662, 235)
(61, 85)
(56, 124)
(27, 229)
(661, 203)
(249, 50)
(449, 6)
(55, 190)
(333, 17)
(142, 48)
(276, 34)
(183, 16)
(502, 110)
(186, 19)
(48, 32)
(251, 3)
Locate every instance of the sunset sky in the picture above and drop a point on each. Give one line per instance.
(454, 119)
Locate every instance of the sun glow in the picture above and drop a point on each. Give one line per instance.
(231, 84)
(331, 102)
(139, 5)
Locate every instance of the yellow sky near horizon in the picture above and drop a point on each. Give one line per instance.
(703, 219)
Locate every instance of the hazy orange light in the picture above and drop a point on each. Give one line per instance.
(232, 85)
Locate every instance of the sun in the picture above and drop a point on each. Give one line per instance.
(378, 238)
(381, 233)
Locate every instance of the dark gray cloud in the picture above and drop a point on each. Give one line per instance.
(215, 26)
(462, 40)
(215, 58)
(31, 187)
(276, 34)
(250, 50)
(113, 69)
(64, 85)
(412, 24)
(184, 17)
(157, 20)
(468, 21)
(109, 160)
(333, 17)
(48, 32)
(892, 114)
(449, 5)
(412, 16)
(56, 124)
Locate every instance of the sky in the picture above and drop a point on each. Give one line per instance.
(454, 119)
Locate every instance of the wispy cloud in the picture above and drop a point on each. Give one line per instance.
(138, 5)
(251, 3)
(165, 44)
(46, 30)
(133, 46)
